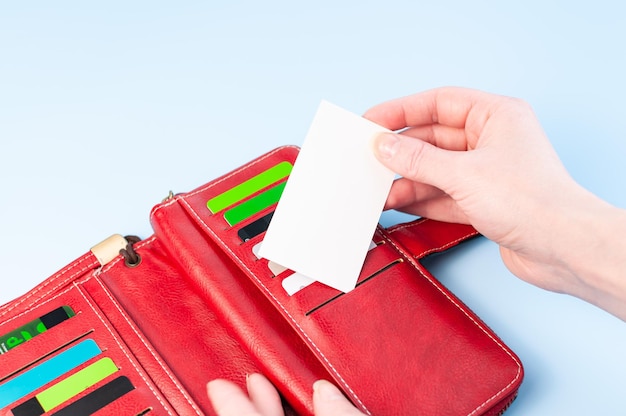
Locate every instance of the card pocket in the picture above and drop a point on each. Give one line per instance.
(251, 208)
(404, 329)
(42, 374)
(316, 296)
(234, 188)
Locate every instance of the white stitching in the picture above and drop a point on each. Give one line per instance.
(128, 356)
(260, 282)
(399, 227)
(444, 246)
(52, 279)
(24, 312)
(140, 336)
(217, 182)
(433, 249)
(519, 365)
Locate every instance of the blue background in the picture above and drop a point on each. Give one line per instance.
(106, 107)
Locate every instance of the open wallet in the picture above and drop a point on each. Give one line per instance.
(138, 327)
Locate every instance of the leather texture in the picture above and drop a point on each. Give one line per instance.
(200, 306)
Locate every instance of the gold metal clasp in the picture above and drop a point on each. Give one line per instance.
(168, 197)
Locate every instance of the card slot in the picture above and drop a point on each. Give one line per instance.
(118, 396)
(58, 393)
(57, 365)
(237, 188)
(255, 228)
(98, 398)
(47, 355)
(263, 267)
(361, 282)
(18, 336)
(311, 295)
(233, 237)
(44, 345)
(220, 224)
(292, 282)
(254, 205)
(88, 324)
(64, 396)
(232, 234)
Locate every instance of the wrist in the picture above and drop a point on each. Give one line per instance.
(593, 251)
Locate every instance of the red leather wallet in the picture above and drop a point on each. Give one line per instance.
(192, 303)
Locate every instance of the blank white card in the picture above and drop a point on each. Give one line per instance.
(329, 209)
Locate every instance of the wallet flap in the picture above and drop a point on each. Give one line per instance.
(171, 327)
(425, 236)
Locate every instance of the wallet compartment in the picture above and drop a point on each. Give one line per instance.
(79, 344)
(399, 343)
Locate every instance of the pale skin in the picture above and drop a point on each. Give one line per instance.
(472, 157)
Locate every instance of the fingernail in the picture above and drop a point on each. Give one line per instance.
(326, 391)
(385, 145)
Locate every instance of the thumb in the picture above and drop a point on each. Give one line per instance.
(329, 401)
(415, 159)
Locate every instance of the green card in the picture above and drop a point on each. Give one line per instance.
(254, 205)
(249, 187)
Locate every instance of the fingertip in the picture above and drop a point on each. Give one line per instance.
(386, 114)
(329, 400)
(218, 388)
(325, 390)
(385, 145)
(213, 385)
(228, 399)
(374, 114)
(263, 394)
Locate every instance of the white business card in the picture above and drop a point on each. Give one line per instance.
(327, 214)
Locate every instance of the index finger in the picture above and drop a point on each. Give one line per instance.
(448, 106)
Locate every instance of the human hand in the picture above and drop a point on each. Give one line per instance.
(263, 399)
(472, 157)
